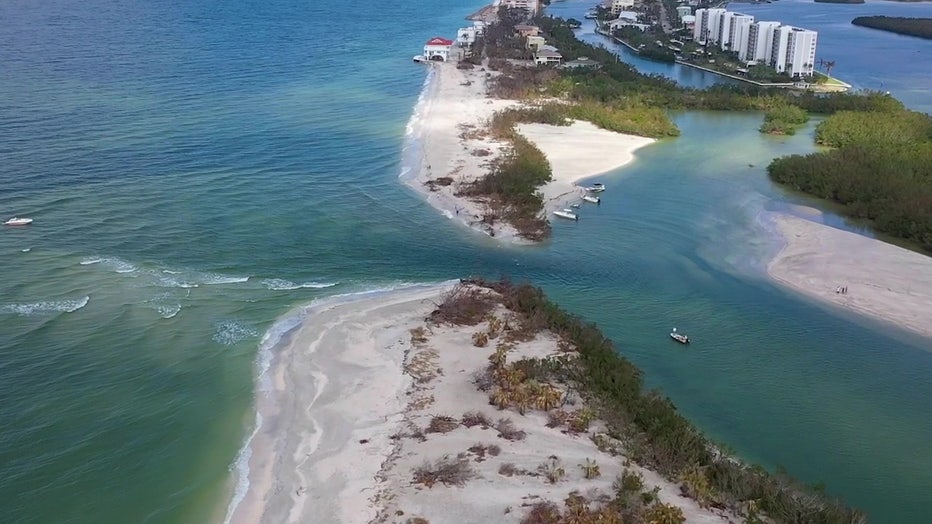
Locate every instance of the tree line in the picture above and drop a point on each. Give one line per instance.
(921, 27)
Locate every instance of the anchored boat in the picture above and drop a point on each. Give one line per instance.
(595, 188)
(593, 199)
(682, 339)
(566, 213)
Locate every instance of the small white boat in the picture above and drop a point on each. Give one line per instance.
(566, 213)
(682, 339)
(574, 206)
(420, 58)
(593, 199)
(17, 221)
(595, 188)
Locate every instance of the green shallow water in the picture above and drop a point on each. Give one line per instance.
(186, 204)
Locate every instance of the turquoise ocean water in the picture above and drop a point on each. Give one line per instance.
(197, 170)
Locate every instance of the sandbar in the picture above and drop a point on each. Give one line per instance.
(883, 281)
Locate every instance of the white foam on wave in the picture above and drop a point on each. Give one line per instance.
(278, 284)
(240, 469)
(411, 150)
(229, 332)
(116, 264)
(46, 306)
(211, 279)
(168, 310)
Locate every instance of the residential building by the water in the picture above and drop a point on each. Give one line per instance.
(760, 42)
(621, 5)
(707, 24)
(531, 6)
(800, 51)
(786, 48)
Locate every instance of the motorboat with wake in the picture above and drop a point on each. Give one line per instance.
(567, 214)
(682, 339)
(17, 221)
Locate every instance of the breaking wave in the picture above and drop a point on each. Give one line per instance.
(46, 306)
(278, 284)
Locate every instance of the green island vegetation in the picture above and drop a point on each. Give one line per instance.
(921, 27)
(642, 426)
(880, 169)
(783, 119)
(894, 191)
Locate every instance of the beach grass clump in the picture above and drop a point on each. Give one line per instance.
(481, 450)
(660, 513)
(480, 339)
(590, 469)
(475, 418)
(442, 424)
(507, 430)
(544, 512)
(447, 471)
(552, 470)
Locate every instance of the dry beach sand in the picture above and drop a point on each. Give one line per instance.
(346, 414)
(450, 122)
(883, 280)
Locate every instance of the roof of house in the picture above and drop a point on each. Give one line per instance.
(438, 40)
(525, 27)
(546, 53)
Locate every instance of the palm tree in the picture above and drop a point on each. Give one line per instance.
(828, 67)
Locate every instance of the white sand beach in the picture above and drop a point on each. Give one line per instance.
(451, 122)
(883, 281)
(577, 152)
(347, 424)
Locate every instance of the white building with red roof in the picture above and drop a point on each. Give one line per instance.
(438, 48)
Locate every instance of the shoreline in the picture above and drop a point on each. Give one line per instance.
(449, 127)
(347, 422)
(883, 281)
(301, 405)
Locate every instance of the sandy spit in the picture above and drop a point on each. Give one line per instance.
(882, 280)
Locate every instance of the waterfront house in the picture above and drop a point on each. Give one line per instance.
(438, 48)
(581, 62)
(535, 42)
(466, 36)
(547, 55)
(524, 30)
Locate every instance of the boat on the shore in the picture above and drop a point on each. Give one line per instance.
(592, 199)
(566, 213)
(682, 339)
(420, 59)
(595, 188)
(17, 221)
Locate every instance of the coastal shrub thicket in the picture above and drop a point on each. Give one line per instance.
(783, 119)
(921, 27)
(881, 170)
(510, 188)
(889, 185)
(657, 434)
(890, 128)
